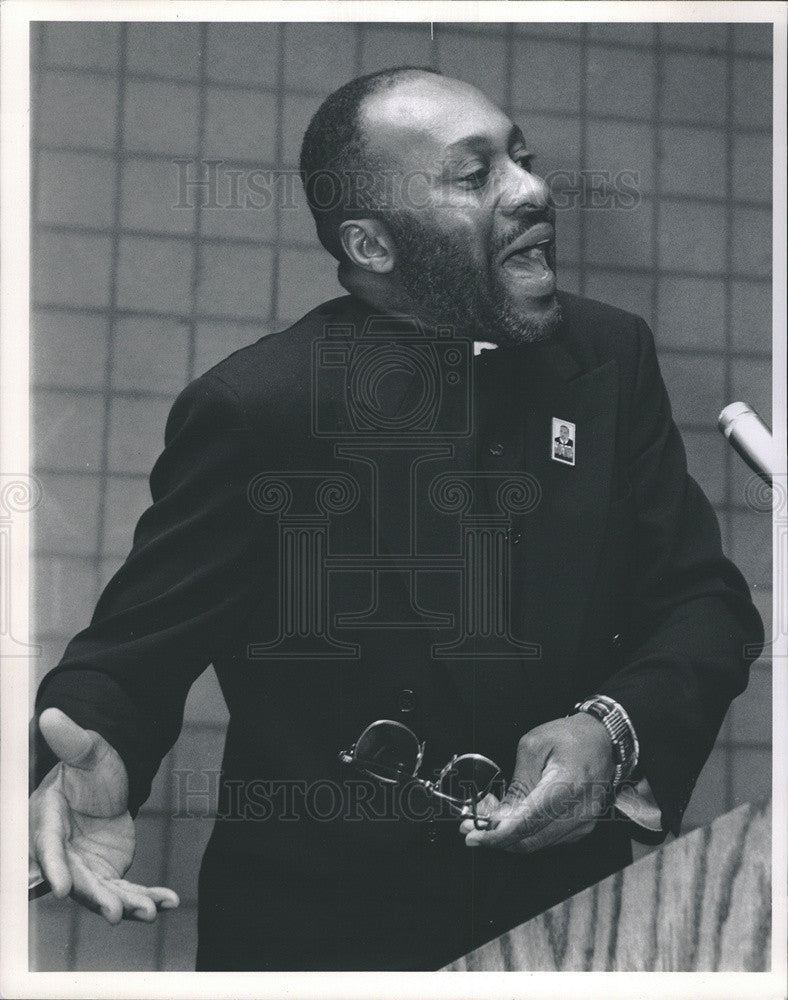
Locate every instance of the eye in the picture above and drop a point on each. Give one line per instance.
(475, 177)
(524, 159)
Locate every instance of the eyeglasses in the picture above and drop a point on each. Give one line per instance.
(392, 753)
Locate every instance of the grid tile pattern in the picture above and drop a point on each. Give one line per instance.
(139, 287)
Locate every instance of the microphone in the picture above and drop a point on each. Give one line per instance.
(751, 438)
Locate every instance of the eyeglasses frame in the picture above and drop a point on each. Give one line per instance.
(479, 822)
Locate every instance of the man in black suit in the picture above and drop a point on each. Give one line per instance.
(353, 521)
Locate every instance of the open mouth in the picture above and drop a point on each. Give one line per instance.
(529, 257)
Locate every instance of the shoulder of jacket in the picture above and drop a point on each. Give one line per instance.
(276, 364)
(595, 332)
(591, 316)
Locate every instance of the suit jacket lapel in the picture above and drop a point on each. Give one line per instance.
(562, 535)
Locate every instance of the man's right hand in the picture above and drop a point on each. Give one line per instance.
(81, 835)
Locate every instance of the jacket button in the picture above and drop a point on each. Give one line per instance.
(407, 700)
(496, 448)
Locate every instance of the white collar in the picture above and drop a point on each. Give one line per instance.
(483, 345)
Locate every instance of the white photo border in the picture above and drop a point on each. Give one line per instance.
(15, 979)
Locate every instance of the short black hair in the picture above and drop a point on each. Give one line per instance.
(334, 154)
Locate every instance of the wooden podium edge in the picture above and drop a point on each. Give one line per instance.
(701, 903)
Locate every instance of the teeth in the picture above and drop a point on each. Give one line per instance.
(535, 252)
(527, 251)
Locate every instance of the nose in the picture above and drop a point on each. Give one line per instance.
(522, 190)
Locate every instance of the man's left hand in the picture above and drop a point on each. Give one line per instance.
(562, 781)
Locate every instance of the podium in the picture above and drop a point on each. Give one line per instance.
(699, 904)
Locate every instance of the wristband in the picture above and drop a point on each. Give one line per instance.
(619, 729)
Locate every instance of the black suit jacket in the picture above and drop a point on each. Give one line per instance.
(618, 584)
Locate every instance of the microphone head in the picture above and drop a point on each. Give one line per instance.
(750, 437)
(730, 414)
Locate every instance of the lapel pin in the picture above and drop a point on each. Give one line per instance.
(562, 441)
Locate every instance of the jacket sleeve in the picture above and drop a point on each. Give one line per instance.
(694, 630)
(182, 594)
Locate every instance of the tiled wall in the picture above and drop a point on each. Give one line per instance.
(133, 297)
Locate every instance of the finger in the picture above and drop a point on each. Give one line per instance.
(50, 849)
(495, 810)
(94, 893)
(552, 815)
(37, 885)
(69, 742)
(165, 899)
(573, 835)
(486, 808)
(549, 836)
(51, 856)
(136, 905)
(160, 897)
(517, 791)
(503, 823)
(516, 821)
(555, 835)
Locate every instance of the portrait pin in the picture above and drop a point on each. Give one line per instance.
(562, 441)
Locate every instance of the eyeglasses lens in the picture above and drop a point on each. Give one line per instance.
(469, 778)
(387, 751)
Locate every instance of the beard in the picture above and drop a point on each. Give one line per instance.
(450, 288)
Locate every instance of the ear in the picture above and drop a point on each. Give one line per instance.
(368, 245)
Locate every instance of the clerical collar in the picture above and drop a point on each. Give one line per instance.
(483, 345)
